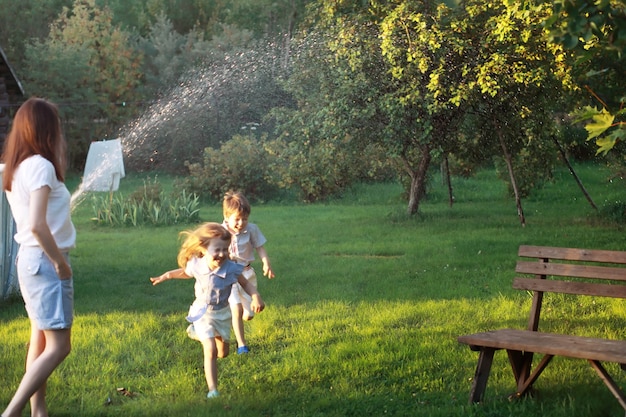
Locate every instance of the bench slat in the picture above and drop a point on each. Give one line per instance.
(573, 254)
(550, 344)
(565, 287)
(569, 270)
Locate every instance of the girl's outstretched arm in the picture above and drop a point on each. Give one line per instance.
(178, 273)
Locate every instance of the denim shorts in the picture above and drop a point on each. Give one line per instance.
(49, 300)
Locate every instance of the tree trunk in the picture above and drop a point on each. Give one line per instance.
(509, 165)
(445, 172)
(418, 180)
(571, 170)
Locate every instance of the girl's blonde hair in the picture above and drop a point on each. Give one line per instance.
(196, 241)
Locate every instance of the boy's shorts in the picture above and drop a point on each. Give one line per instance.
(238, 295)
(49, 300)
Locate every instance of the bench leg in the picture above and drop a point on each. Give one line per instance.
(520, 364)
(610, 383)
(485, 359)
(524, 386)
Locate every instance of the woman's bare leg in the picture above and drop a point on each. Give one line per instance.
(47, 349)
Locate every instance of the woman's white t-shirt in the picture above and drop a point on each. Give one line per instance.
(32, 174)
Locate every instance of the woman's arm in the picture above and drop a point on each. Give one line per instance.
(41, 231)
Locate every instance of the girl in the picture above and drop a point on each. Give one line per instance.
(34, 158)
(204, 256)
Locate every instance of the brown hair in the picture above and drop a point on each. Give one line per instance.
(36, 130)
(198, 239)
(235, 202)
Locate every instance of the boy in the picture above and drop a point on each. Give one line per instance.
(247, 238)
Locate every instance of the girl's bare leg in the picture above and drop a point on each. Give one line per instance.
(223, 348)
(210, 363)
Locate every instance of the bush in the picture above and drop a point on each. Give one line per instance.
(240, 164)
(261, 168)
(148, 205)
(326, 169)
(614, 212)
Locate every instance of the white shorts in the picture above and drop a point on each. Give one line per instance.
(214, 323)
(238, 295)
(49, 300)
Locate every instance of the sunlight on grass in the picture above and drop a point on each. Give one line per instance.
(329, 352)
(362, 318)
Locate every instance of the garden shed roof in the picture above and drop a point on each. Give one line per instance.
(11, 95)
(13, 85)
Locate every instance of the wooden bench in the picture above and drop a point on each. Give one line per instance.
(554, 270)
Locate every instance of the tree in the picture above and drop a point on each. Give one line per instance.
(421, 119)
(325, 138)
(514, 81)
(350, 106)
(106, 73)
(62, 73)
(581, 24)
(169, 54)
(596, 32)
(26, 21)
(429, 66)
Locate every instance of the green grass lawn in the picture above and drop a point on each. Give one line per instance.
(361, 319)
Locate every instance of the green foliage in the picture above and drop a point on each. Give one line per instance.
(170, 54)
(429, 69)
(602, 127)
(614, 211)
(583, 24)
(515, 82)
(146, 206)
(103, 61)
(61, 72)
(241, 163)
(596, 33)
(260, 168)
(89, 68)
(348, 100)
(331, 139)
(22, 22)
(317, 172)
(398, 83)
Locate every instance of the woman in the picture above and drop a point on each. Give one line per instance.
(34, 158)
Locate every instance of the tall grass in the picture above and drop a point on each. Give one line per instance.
(361, 319)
